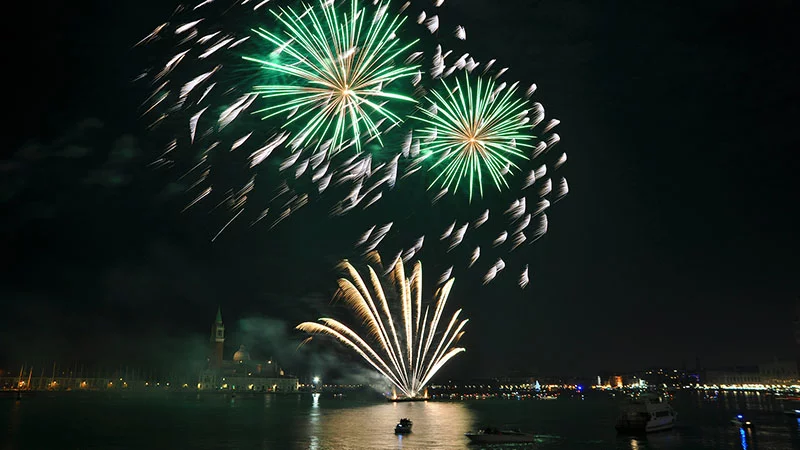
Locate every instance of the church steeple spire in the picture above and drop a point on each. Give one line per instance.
(217, 339)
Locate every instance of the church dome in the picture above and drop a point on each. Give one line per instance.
(241, 355)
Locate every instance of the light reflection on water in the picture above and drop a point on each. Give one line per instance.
(744, 438)
(437, 425)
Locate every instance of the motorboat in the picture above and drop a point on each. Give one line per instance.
(646, 414)
(495, 436)
(740, 422)
(404, 426)
(792, 412)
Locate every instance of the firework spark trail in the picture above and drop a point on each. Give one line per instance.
(480, 129)
(524, 222)
(517, 239)
(458, 236)
(258, 156)
(365, 236)
(482, 219)
(563, 189)
(561, 161)
(524, 278)
(448, 231)
(198, 84)
(490, 275)
(357, 40)
(445, 275)
(226, 225)
(546, 188)
(399, 347)
(475, 255)
(341, 67)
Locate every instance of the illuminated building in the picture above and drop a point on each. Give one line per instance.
(241, 373)
(733, 376)
(664, 377)
(779, 372)
(615, 381)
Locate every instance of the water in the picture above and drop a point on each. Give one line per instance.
(215, 421)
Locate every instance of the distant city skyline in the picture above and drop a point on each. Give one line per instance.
(678, 239)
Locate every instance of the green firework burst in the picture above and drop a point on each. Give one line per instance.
(473, 130)
(338, 66)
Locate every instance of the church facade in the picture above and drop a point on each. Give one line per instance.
(241, 373)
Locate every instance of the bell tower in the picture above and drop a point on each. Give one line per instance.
(217, 340)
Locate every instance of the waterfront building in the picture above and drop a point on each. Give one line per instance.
(740, 375)
(779, 372)
(241, 372)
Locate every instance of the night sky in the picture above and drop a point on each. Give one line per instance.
(679, 238)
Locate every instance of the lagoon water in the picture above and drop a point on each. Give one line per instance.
(323, 422)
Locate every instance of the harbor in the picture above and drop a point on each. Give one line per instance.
(192, 419)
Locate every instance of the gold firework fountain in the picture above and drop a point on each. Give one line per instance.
(407, 348)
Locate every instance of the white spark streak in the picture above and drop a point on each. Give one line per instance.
(365, 236)
(530, 91)
(439, 196)
(481, 219)
(240, 141)
(550, 125)
(432, 24)
(560, 162)
(226, 225)
(524, 278)
(187, 26)
(446, 275)
(258, 156)
(546, 188)
(490, 275)
(448, 231)
(193, 124)
(475, 255)
(216, 47)
(530, 179)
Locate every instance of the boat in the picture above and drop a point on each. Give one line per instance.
(404, 426)
(792, 412)
(495, 436)
(740, 422)
(646, 414)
